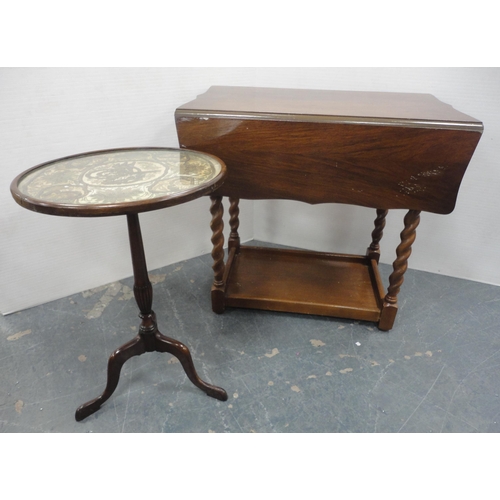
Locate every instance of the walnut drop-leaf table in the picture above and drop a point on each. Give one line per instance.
(380, 150)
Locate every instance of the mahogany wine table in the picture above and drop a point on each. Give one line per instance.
(125, 182)
(372, 149)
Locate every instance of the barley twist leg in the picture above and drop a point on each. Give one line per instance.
(403, 252)
(373, 251)
(217, 226)
(234, 222)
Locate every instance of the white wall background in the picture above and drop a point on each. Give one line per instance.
(47, 113)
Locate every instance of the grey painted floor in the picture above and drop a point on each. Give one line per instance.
(437, 371)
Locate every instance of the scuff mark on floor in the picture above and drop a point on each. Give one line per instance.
(346, 370)
(127, 292)
(93, 291)
(295, 388)
(19, 406)
(317, 343)
(82, 358)
(272, 353)
(420, 354)
(157, 278)
(105, 300)
(18, 335)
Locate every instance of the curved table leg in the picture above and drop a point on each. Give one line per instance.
(181, 352)
(149, 338)
(147, 341)
(133, 348)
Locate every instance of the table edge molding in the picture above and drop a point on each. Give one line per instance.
(201, 114)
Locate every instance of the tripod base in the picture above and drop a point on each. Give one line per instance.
(149, 339)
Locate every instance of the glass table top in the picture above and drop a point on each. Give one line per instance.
(113, 178)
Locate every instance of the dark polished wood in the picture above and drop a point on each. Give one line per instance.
(373, 250)
(107, 209)
(328, 106)
(373, 149)
(126, 182)
(217, 226)
(399, 162)
(403, 252)
(304, 282)
(234, 223)
(149, 338)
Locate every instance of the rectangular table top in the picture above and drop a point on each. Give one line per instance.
(332, 106)
(376, 149)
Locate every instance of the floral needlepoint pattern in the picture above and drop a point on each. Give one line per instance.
(113, 177)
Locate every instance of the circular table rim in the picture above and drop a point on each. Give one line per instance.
(108, 209)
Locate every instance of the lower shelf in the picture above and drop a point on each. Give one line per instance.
(345, 286)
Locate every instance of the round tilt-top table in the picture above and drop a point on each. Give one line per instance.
(125, 182)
